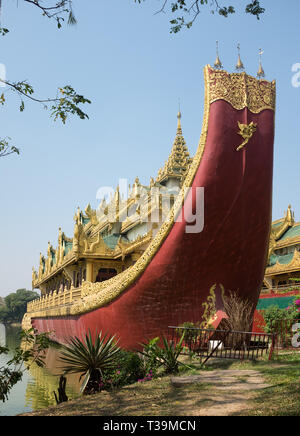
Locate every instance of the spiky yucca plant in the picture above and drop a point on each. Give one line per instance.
(90, 359)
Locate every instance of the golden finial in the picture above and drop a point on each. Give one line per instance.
(179, 131)
(136, 182)
(239, 66)
(260, 72)
(218, 64)
(289, 215)
(117, 194)
(59, 236)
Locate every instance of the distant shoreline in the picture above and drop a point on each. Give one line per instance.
(12, 324)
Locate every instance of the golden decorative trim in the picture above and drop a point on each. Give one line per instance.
(210, 311)
(246, 131)
(287, 242)
(242, 90)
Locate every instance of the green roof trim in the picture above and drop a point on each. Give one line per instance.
(68, 247)
(112, 240)
(85, 221)
(291, 233)
(281, 302)
(53, 258)
(283, 259)
(278, 224)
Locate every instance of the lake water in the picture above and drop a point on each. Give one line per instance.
(35, 390)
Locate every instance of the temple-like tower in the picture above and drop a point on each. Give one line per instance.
(176, 167)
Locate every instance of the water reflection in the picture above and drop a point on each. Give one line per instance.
(44, 381)
(2, 336)
(35, 390)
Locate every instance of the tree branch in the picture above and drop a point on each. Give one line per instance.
(194, 6)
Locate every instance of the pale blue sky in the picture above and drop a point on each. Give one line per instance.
(122, 57)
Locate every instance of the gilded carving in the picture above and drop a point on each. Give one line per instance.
(91, 214)
(246, 131)
(241, 91)
(209, 306)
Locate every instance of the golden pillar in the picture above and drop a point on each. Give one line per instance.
(89, 271)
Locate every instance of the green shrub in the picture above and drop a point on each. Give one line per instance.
(273, 316)
(128, 369)
(149, 357)
(166, 356)
(189, 331)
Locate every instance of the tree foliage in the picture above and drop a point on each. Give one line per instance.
(189, 10)
(66, 101)
(15, 305)
(29, 352)
(275, 316)
(57, 10)
(6, 148)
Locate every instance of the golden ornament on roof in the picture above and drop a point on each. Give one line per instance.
(218, 64)
(239, 66)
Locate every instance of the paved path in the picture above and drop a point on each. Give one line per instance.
(230, 391)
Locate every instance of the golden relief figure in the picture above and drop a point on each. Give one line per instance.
(246, 131)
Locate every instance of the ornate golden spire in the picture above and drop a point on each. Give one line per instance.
(179, 160)
(239, 66)
(179, 130)
(218, 64)
(260, 72)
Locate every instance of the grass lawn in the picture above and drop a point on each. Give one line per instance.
(283, 397)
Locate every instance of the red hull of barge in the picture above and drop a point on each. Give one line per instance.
(230, 250)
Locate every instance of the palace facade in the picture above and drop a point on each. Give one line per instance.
(284, 252)
(109, 240)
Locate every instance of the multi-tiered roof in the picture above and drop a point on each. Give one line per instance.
(116, 234)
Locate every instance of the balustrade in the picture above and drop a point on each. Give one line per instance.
(57, 298)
